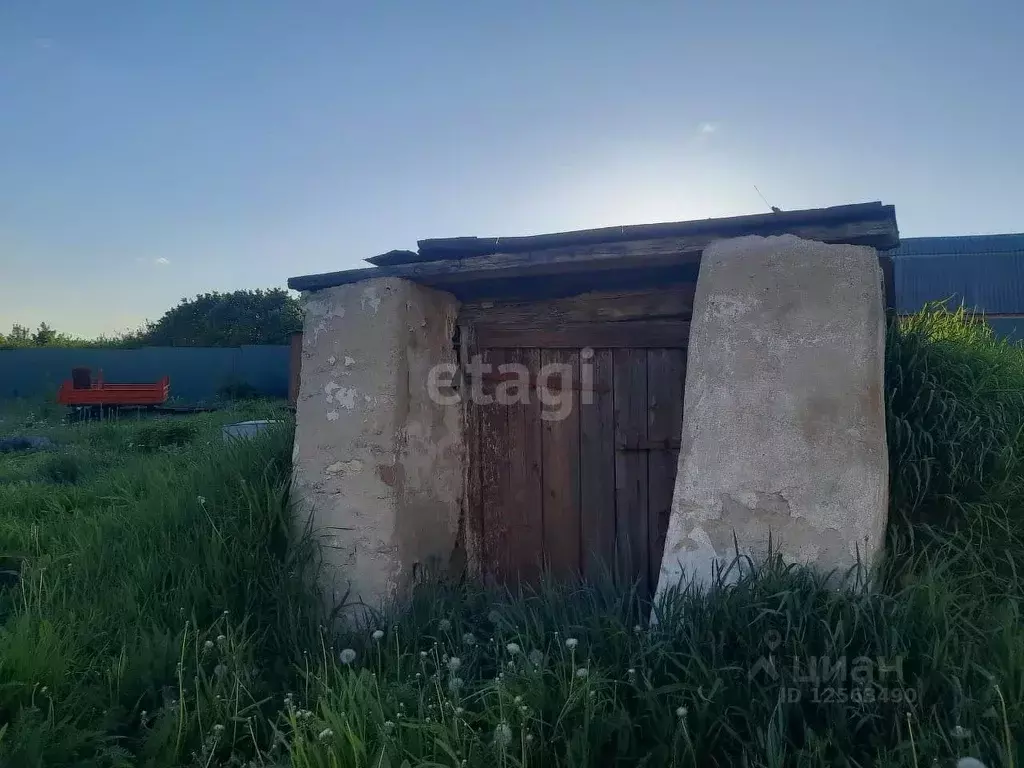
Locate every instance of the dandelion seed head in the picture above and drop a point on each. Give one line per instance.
(681, 712)
(581, 672)
(502, 734)
(325, 734)
(445, 625)
(208, 645)
(454, 664)
(536, 657)
(513, 648)
(571, 643)
(347, 656)
(377, 634)
(469, 638)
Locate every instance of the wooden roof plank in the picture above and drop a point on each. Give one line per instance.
(879, 232)
(438, 249)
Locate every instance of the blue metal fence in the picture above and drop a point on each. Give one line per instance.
(197, 373)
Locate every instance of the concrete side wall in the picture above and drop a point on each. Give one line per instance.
(783, 419)
(377, 463)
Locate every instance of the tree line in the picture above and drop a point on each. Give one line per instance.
(209, 320)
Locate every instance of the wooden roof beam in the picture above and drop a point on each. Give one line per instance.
(878, 231)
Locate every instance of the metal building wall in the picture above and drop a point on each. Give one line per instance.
(984, 272)
(196, 373)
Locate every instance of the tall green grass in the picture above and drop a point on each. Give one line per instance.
(122, 581)
(165, 615)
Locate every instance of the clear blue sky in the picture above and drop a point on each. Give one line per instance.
(155, 149)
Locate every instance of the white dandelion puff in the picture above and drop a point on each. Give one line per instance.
(502, 734)
(347, 656)
(571, 643)
(377, 634)
(513, 648)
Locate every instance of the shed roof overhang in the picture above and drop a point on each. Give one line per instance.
(546, 266)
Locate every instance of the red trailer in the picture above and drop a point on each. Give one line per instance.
(81, 391)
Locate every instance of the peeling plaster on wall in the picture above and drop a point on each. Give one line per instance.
(379, 465)
(783, 426)
(322, 314)
(370, 299)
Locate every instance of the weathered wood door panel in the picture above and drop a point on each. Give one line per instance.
(631, 488)
(573, 472)
(597, 470)
(586, 494)
(666, 373)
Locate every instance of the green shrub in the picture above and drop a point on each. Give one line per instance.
(955, 414)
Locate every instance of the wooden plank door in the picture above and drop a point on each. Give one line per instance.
(590, 493)
(587, 490)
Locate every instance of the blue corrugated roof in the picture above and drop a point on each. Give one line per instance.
(984, 272)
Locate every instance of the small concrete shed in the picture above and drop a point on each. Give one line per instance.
(602, 399)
